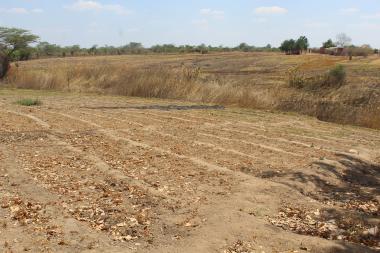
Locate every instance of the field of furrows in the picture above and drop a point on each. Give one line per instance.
(90, 173)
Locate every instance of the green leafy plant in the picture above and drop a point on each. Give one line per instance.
(29, 102)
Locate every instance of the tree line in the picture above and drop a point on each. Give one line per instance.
(301, 45)
(295, 46)
(20, 44)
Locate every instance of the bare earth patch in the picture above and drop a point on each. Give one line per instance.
(86, 173)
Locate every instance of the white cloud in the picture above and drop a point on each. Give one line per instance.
(349, 11)
(217, 14)
(270, 10)
(20, 10)
(83, 5)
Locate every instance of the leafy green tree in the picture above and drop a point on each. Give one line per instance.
(14, 39)
(75, 49)
(288, 46)
(93, 50)
(243, 47)
(302, 44)
(46, 49)
(14, 45)
(329, 43)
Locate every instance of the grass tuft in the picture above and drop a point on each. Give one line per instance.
(29, 102)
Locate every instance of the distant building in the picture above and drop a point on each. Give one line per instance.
(337, 51)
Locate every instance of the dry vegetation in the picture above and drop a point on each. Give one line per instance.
(94, 173)
(256, 80)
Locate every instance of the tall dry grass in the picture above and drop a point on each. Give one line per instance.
(244, 80)
(185, 82)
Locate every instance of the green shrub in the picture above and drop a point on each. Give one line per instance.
(29, 102)
(334, 78)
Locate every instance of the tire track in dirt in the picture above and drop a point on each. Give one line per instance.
(274, 129)
(196, 161)
(230, 212)
(94, 182)
(120, 145)
(99, 163)
(242, 209)
(315, 145)
(188, 143)
(113, 135)
(268, 147)
(183, 135)
(55, 225)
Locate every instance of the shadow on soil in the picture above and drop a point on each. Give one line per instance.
(350, 188)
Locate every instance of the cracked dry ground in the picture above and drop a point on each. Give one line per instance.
(85, 173)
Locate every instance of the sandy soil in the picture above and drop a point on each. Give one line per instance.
(86, 173)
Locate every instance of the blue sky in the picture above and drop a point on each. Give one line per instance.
(215, 22)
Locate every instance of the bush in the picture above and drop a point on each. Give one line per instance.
(29, 102)
(334, 78)
(337, 76)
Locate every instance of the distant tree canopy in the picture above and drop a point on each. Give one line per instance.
(302, 44)
(295, 46)
(288, 46)
(45, 49)
(328, 43)
(14, 45)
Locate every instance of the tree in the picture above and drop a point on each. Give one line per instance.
(47, 49)
(93, 50)
(13, 39)
(302, 44)
(4, 64)
(244, 47)
(329, 43)
(74, 49)
(288, 46)
(342, 40)
(14, 44)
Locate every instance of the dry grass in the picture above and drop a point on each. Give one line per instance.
(256, 80)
